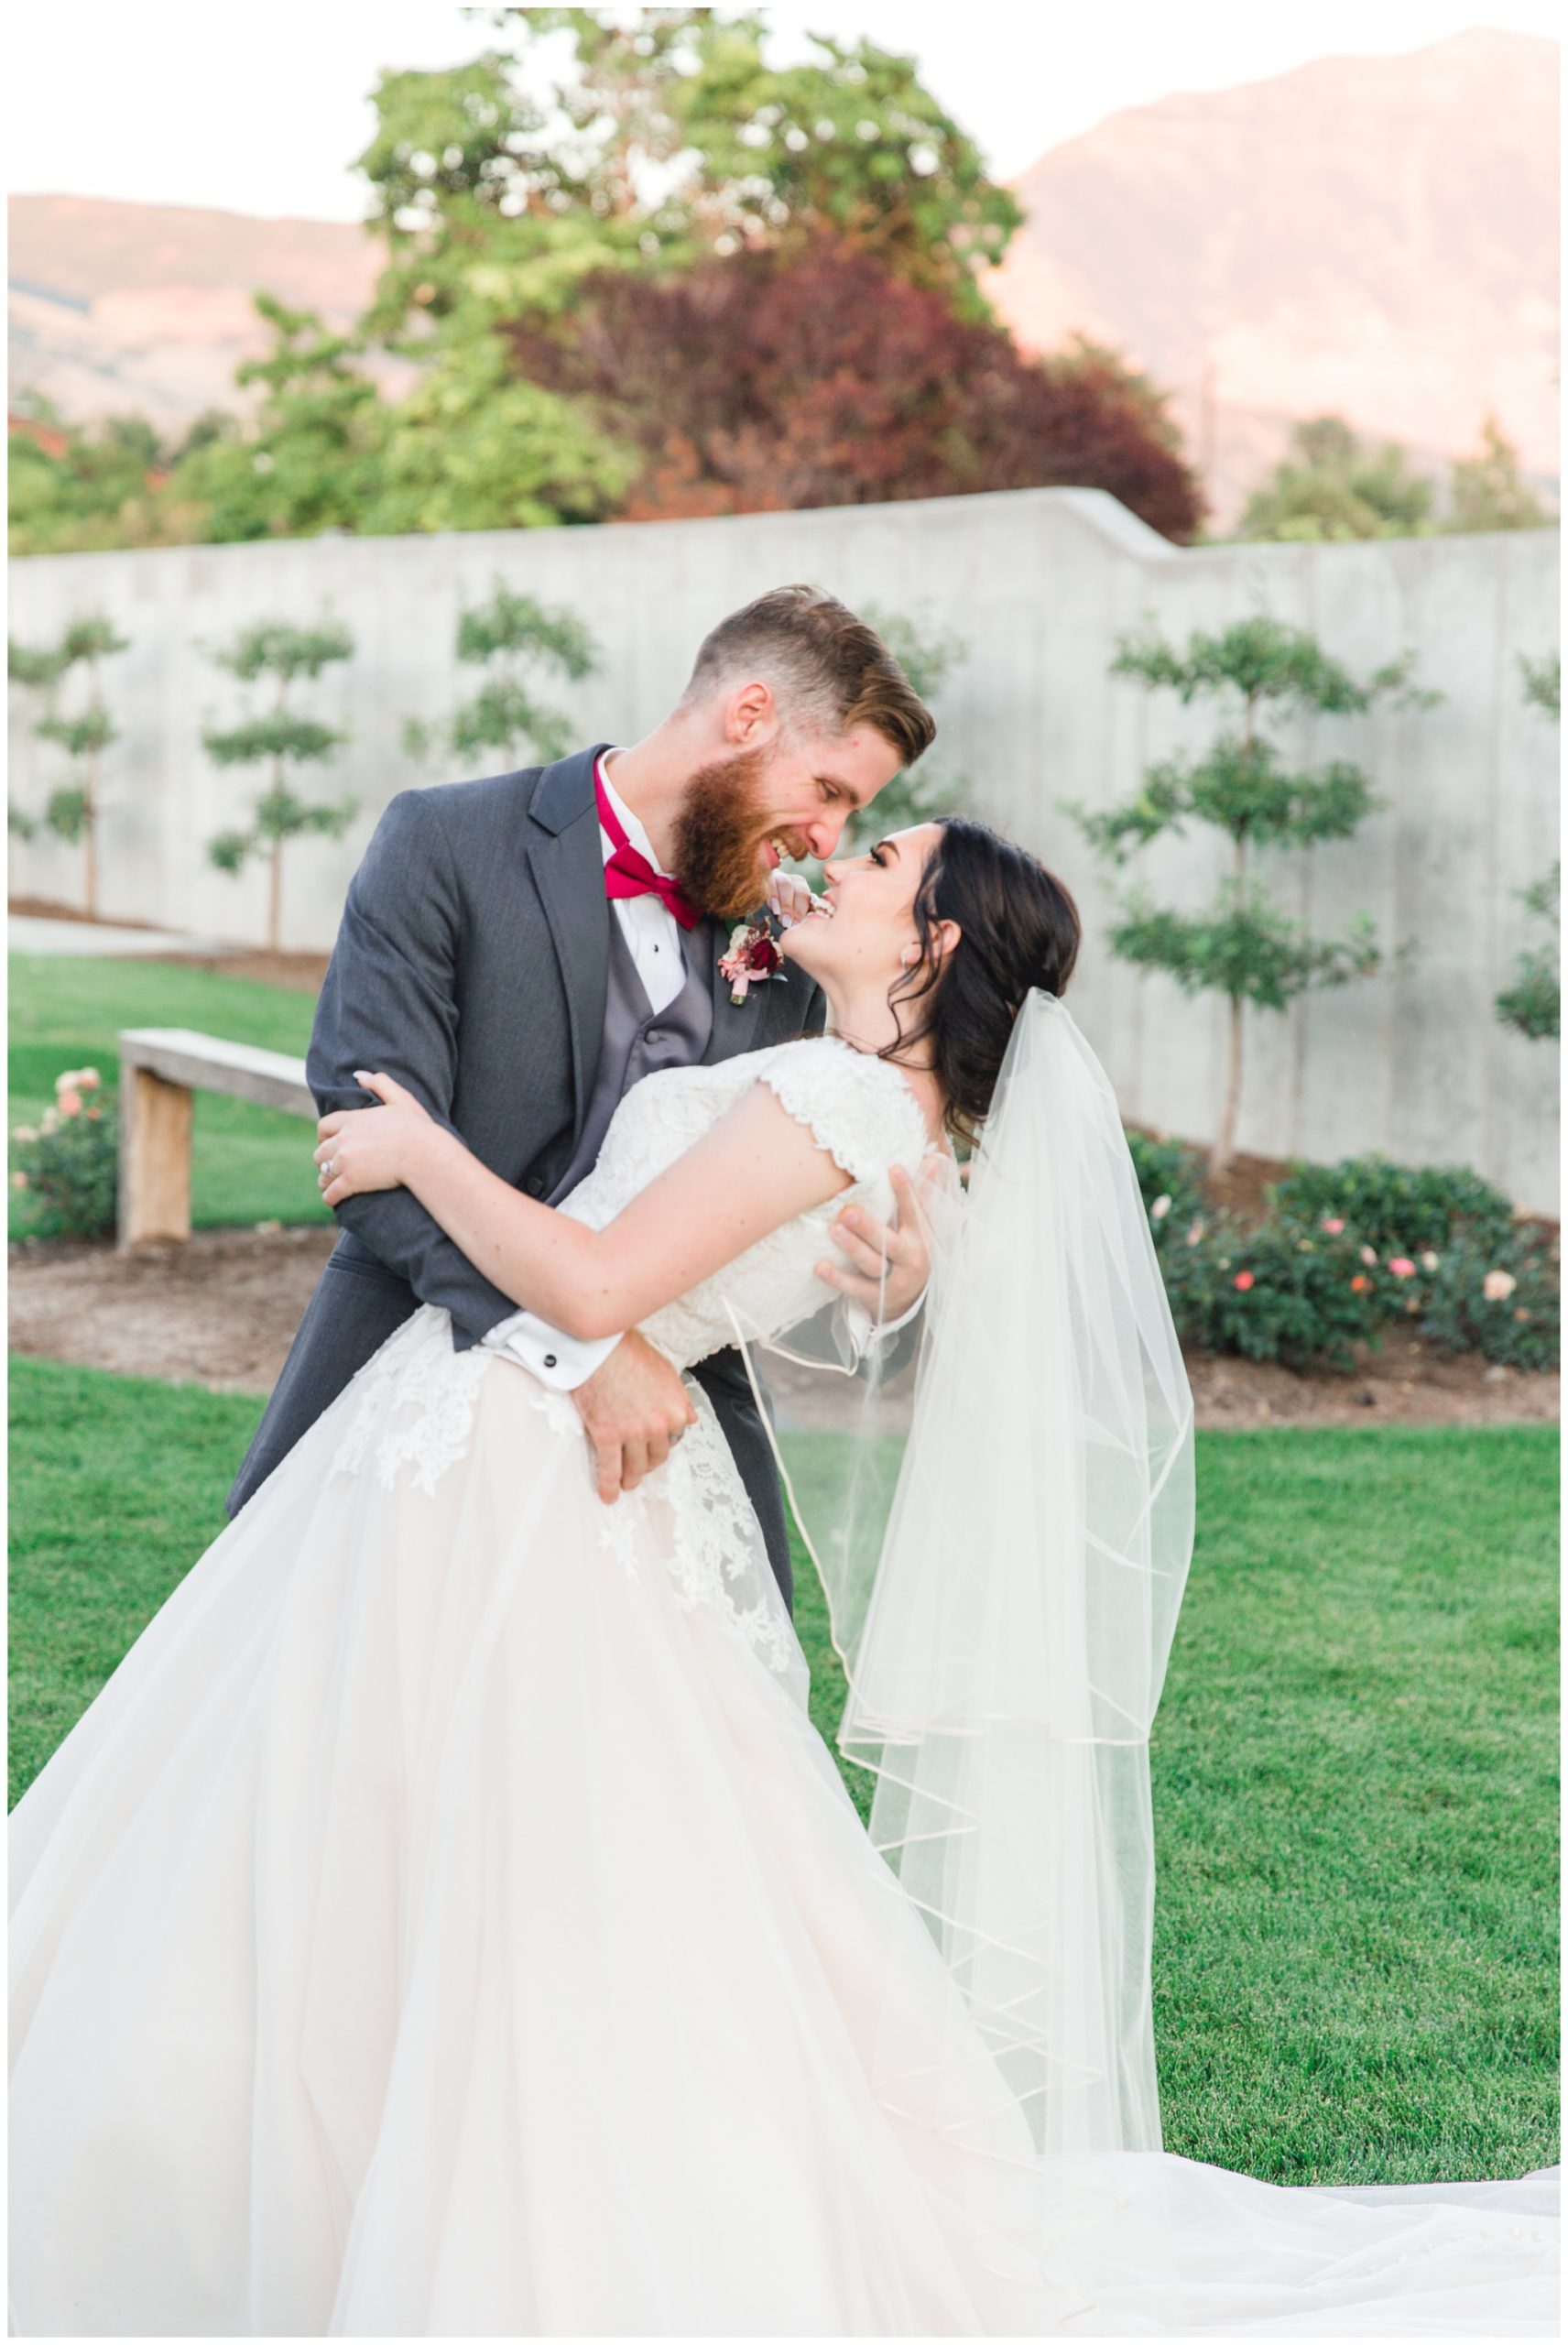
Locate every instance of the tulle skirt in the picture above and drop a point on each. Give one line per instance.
(446, 1922)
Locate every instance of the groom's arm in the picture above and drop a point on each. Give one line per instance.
(389, 1002)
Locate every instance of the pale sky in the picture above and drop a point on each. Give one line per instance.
(260, 109)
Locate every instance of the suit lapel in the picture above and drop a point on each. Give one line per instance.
(567, 865)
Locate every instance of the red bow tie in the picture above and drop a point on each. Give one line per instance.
(628, 871)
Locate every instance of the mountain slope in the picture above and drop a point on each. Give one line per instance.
(1372, 235)
(139, 308)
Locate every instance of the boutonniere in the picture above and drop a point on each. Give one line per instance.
(752, 959)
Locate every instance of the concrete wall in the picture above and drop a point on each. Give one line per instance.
(1038, 583)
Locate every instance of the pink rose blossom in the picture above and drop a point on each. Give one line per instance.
(1369, 1257)
(18, 1180)
(68, 1102)
(1244, 1281)
(1333, 1226)
(1195, 1235)
(1403, 1268)
(1159, 1208)
(1497, 1285)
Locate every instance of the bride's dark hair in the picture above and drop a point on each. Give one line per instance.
(1020, 928)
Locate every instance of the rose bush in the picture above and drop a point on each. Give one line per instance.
(1397, 1209)
(1343, 1252)
(1501, 1298)
(67, 1165)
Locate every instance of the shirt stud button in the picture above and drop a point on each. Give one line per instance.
(550, 1359)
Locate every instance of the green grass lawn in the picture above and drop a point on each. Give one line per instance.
(248, 1163)
(1355, 1964)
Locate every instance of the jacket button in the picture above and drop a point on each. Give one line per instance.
(550, 1359)
(655, 1034)
(534, 1185)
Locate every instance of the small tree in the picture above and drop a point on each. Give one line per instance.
(282, 736)
(1244, 945)
(1490, 492)
(1533, 1004)
(40, 671)
(1329, 486)
(507, 635)
(72, 812)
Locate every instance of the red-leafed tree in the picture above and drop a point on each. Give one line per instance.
(763, 382)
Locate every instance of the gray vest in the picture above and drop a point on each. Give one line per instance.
(639, 1040)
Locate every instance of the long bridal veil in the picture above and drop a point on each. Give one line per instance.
(1001, 1514)
(1004, 1586)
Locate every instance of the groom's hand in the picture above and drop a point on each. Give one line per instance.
(888, 1264)
(633, 1408)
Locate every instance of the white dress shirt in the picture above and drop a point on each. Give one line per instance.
(652, 937)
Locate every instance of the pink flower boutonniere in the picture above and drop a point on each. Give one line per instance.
(753, 957)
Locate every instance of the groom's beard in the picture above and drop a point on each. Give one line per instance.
(720, 833)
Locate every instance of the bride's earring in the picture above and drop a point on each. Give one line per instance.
(909, 955)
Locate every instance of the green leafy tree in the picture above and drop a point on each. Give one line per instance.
(1243, 945)
(1532, 1003)
(314, 459)
(281, 736)
(77, 490)
(506, 636)
(473, 447)
(668, 136)
(1330, 486)
(83, 732)
(469, 447)
(1487, 491)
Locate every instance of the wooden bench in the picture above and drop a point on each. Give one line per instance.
(161, 1069)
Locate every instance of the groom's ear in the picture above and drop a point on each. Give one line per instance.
(750, 715)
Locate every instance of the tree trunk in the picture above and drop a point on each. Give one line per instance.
(91, 837)
(1224, 1142)
(275, 868)
(1225, 1145)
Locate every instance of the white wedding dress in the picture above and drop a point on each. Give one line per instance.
(446, 1922)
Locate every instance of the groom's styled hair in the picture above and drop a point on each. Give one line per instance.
(829, 670)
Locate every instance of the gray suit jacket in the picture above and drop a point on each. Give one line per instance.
(471, 963)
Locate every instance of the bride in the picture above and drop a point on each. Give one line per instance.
(446, 1920)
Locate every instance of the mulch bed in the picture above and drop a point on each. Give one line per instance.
(221, 1311)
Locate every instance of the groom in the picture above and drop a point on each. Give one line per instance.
(521, 950)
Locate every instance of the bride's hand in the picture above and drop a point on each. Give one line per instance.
(360, 1151)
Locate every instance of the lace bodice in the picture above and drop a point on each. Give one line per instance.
(859, 1107)
(409, 1414)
